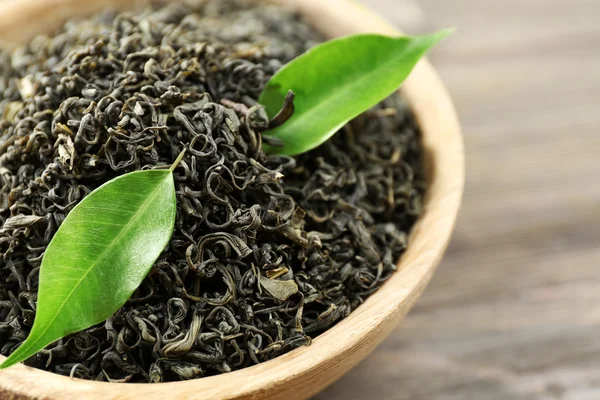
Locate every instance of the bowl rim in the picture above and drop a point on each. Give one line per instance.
(307, 370)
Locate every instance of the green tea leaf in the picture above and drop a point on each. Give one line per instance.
(100, 255)
(335, 82)
(279, 289)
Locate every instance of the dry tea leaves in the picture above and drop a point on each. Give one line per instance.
(279, 289)
(335, 82)
(163, 80)
(100, 255)
(21, 221)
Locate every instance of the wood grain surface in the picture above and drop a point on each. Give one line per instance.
(513, 311)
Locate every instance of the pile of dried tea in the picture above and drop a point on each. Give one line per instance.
(267, 251)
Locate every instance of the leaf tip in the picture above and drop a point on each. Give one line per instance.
(177, 160)
(444, 33)
(8, 363)
(426, 42)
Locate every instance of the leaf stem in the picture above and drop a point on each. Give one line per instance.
(177, 160)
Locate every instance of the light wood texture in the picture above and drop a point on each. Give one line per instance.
(513, 311)
(303, 372)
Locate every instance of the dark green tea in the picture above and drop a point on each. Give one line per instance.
(267, 251)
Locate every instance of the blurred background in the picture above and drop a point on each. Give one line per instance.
(514, 309)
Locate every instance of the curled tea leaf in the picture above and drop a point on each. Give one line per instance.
(277, 272)
(185, 370)
(11, 109)
(180, 347)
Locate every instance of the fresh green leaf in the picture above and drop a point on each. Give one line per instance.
(100, 255)
(335, 82)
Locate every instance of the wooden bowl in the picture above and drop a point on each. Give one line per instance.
(307, 370)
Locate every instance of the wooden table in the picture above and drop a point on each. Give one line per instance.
(514, 309)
